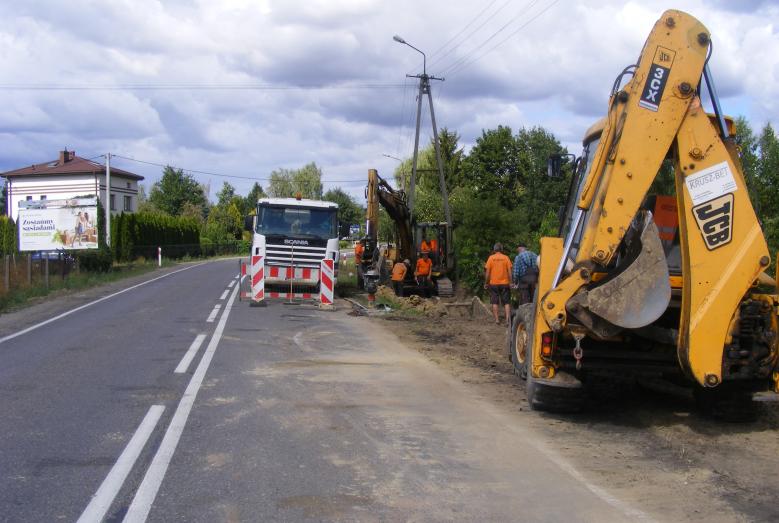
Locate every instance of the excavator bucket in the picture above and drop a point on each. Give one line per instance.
(640, 294)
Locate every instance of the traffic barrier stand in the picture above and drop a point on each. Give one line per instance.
(242, 295)
(257, 278)
(326, 284)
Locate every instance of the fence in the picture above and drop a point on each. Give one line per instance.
(21, 271)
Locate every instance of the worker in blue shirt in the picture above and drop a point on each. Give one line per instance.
(525, 276)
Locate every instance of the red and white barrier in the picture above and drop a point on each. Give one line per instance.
(304, 275)
(243, 295)
(326, 282)
(257, 272)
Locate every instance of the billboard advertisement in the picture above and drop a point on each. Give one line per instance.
(50, 225)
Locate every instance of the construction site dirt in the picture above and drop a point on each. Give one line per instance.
(646, 447)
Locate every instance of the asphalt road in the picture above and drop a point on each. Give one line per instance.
(285, 413)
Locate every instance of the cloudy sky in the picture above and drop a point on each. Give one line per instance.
(243, 87)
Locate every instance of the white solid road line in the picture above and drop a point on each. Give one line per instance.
(108, 490)
(189, 356)
(55, 318)
(225, 293)
(212, 316)
(144, 497)
(230, 285)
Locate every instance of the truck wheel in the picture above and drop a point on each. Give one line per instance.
(563, 394)
(520, 338)
(728, 402)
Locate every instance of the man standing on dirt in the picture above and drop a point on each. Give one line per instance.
(423, 273)
(497, 278)
(525, 274)
(399, 276)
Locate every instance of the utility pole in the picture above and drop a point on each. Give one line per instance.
(424, 90)
(108, 199)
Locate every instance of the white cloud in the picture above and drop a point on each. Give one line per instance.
(555, 72)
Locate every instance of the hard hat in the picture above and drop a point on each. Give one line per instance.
(407, 261)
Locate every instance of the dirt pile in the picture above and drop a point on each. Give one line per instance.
(434, 306)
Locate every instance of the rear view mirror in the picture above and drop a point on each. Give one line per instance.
(554, 166)
(248, 223)
(556, 162)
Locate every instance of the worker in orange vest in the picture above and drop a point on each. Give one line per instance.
(497, 279)
(359, 248)
(424, 273)
(399, 275)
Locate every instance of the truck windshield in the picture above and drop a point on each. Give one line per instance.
(299, 222)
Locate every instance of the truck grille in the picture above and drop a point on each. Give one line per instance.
(288, 255)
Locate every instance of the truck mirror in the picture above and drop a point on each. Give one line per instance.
(554, 166)
(248, 223)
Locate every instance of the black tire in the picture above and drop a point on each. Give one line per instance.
(520, 337)
(729, 402)
(563, 394)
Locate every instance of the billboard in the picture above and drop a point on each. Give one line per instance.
(50, 225)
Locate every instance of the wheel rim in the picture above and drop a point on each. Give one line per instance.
(520, 345)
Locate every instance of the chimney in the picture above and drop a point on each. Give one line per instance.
(64, 156)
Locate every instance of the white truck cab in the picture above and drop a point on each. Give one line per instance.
(294, 235)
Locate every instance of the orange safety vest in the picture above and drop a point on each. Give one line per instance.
(424, 267)
(399, 271)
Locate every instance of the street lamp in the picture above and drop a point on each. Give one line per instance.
(393, 157)
(400, 40)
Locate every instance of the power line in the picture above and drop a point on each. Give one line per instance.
(465, 39)
(194, 87)
(460, 60)
(469, 24)
(467, 64)
(222, 175)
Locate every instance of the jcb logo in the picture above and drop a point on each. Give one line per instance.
(715, 220)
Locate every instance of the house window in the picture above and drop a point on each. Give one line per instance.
(112, 203)
(43, 196)
(128, 203)
(29, 198)
(128, 185)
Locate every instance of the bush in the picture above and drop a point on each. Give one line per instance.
(98, 260)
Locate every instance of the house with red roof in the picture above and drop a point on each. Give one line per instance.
(70, 176)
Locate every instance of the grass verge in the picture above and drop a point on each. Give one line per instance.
(24, 296)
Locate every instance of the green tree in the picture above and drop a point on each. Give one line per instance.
(224, 224)
(250, 203)
(767, 172)
(225, 195)
(286, 183)
(493, 166)
(349, 212)
(175, 189)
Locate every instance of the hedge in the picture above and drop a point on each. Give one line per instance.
(139, 234)
(8, 240)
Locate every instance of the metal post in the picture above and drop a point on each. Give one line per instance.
(29, 269)
(412, 185)
(441, 179)
(7, 272)
(46, 274)
(108, 199)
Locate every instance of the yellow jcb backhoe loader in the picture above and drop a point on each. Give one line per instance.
(650, 286)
